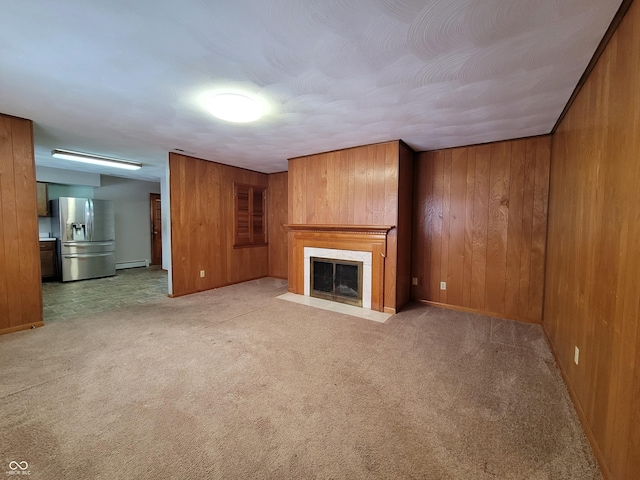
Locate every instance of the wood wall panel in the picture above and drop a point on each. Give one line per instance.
(480, 226)
(479, 234)
(435, 211)
(405, 224)
(360, 186)
(593, 251)
(497, 227)
(20, 287)
(277, 211)
(201, 199)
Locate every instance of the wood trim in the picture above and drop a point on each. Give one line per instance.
(364, 242)
(354, 147)
(515, 139)
(17, 328)
(389, 310)
(615, 23)
(355, 229)
(186, 155)
(579, 410)
(153, 198)
(479, 312)
(250, 245)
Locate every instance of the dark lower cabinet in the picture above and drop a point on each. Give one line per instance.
(48, 263)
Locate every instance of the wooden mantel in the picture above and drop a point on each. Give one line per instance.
(362, 229)
(364, 238)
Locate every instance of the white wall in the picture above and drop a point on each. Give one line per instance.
(131, 204)
(166, 227)
(66, 177)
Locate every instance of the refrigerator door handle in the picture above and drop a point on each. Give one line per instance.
(88, 255)
(108, 243)
(89, 218)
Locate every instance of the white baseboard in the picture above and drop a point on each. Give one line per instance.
(134, 264)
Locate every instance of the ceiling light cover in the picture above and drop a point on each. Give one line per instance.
(95, 159)
(234, 107)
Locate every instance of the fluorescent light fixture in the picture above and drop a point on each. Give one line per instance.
(234, 107)
(95, 159)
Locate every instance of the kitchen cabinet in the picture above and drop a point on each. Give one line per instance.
(43, 201)
(48, 260)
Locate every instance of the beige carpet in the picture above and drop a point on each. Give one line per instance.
(236, 384)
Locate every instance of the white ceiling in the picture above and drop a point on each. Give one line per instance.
(123, 78)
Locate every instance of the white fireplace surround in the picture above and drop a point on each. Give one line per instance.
(351, 255)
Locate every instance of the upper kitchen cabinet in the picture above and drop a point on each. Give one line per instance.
(43, 202)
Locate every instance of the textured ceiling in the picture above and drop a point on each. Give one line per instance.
(125, 78)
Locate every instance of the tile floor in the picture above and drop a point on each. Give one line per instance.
(129, 286)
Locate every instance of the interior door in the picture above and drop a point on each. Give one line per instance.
(156, 230)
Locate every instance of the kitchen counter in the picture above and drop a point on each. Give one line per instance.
(47, 239)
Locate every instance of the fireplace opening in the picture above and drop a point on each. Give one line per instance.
(337, 280)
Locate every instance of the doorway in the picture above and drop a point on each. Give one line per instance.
(156, 229)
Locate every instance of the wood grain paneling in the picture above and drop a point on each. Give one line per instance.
(277, 208)
(360, 186)
(405, 225)
(593, 252)
(480, 226)
(20, 288)
(201, 199)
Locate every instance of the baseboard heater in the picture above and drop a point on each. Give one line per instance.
(134, 264)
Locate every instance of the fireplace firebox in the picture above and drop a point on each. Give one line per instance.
(337, 280)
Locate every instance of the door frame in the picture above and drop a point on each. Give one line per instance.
(153, 197)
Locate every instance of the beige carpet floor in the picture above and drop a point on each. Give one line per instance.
(236, 384)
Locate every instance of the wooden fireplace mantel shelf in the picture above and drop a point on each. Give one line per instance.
(341, 228)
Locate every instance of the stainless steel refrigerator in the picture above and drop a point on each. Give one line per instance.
(85, 230)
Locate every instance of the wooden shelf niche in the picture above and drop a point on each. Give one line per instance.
(363, 238)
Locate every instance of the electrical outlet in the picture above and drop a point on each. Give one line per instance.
(576, 355)
(443, 285)
(414, 281)
(201, 273)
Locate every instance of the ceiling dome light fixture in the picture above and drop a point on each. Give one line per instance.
(234, 107)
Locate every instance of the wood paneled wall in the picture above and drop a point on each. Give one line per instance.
(593, 262)
(277, 210)
(480, 226)
(405, 223)
(202, 226)
(20, 288)
(359, 186)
